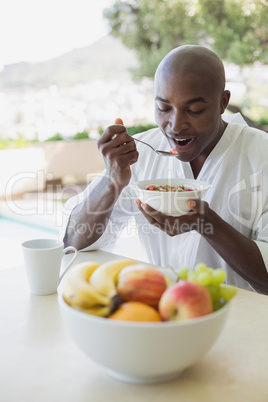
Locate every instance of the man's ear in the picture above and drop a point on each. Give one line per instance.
(225, 100)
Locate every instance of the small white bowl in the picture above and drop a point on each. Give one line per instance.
(170, 203)
(143, 352)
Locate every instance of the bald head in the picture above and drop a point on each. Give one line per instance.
(196, 61)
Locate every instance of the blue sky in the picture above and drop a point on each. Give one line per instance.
(37, 30)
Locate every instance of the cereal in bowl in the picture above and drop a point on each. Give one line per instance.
(166, 188)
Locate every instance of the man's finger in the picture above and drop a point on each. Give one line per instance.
(198, 206)
(192, 204)
(110, 132)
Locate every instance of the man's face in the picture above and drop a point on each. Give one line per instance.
(188, 110)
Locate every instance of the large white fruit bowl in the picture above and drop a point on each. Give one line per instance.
(143, 352)
(170, 203)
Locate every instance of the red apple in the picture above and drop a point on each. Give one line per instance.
(185, 300)
(142, 283)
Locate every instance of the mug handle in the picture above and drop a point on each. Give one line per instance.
(70, 248)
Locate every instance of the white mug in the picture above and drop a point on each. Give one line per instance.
(43, 259)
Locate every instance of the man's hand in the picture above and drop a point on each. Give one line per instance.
(196, 219)
(119, 152)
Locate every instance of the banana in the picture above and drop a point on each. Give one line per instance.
(100, 311)
(77, 290)
(104, 279)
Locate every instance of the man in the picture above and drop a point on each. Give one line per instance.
(229, 227)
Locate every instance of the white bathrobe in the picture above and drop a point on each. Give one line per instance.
(237, 169)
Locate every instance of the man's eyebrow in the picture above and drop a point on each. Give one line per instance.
(188, 102)
(161, 99)
(194, 100)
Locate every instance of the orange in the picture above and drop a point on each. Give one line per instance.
(135, 311)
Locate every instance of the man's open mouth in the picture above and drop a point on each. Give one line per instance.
(182, 142)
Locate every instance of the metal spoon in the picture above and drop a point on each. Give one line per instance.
(118, 120)
(163, 153)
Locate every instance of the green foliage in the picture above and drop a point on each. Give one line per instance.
(59, 137)
(134, 129)
(236, 29)
(14, 143)
(83, 135)
(153, 28)
(22, 142)
(56, 137)
(139, 129)
(264, 121)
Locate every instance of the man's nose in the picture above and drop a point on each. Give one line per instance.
(178, 122)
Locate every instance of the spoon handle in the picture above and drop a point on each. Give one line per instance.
(162, 153)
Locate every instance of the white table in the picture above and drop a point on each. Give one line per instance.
(40, 362)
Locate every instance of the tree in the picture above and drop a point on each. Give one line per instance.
(236, 29)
